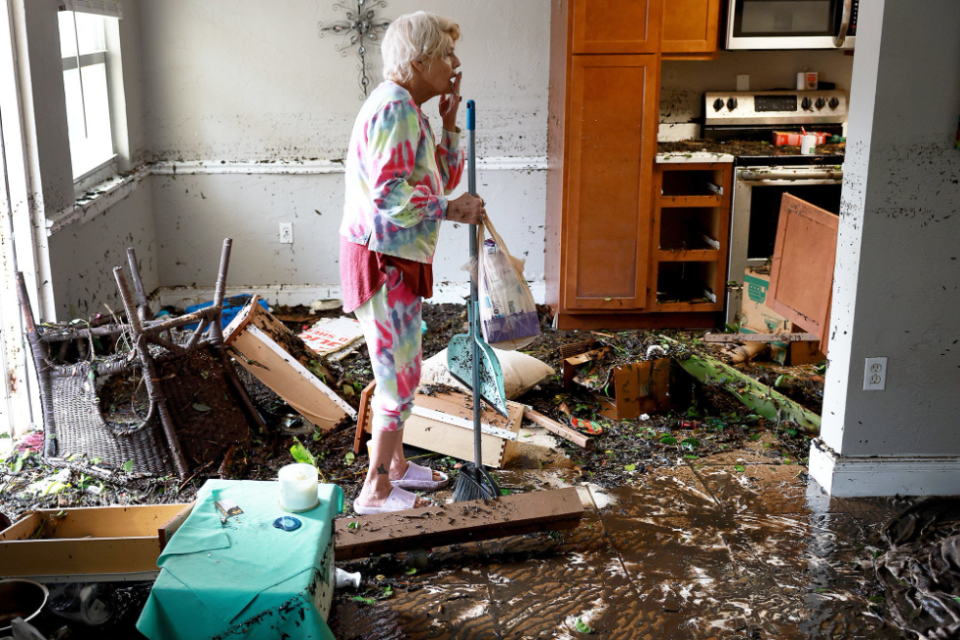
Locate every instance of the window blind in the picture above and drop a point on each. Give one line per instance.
(107, 8)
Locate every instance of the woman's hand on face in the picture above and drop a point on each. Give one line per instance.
(449, 103)
(467, 209)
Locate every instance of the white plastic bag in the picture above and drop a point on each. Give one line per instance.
(508, 314)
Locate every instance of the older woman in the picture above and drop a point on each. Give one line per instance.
(397, 181)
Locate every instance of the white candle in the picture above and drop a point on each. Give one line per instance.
(298, 487)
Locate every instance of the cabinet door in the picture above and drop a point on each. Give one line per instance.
(616, 26)
(690, 26)
(613, 136)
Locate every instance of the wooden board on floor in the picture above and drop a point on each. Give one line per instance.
(760, 337)
(801, 274)
(457, 523)
(424, 430)
(252, 335)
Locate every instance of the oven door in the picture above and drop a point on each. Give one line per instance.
(755, 215)
(792, 24)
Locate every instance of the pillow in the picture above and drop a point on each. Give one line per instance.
(520, 372)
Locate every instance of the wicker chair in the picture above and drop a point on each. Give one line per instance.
(73, 420)
(202, 405)
(197, 407)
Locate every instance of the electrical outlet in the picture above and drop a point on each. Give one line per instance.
(286, 233)
(875, 374)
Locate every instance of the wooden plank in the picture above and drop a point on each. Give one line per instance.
(450, 440)
(457, 523)
(78, 557)
(801, 274)
(286, 377)
(170, 527)
(565, 432)
(97, 522)
(760, 337)
(364, 418)
(457, 442)
(22, 528)
(700, 202)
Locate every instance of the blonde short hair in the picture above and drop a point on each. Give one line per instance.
(415, 36)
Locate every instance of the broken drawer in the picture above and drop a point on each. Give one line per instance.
(89, 544)
(443, 423)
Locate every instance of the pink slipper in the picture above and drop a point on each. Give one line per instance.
(419, 478)
(398, 500)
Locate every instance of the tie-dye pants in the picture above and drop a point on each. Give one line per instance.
(391, 324)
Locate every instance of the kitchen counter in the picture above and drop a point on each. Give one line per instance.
(702, 150)
(676, 157)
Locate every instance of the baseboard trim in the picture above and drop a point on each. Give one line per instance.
(291, 295)
(316, 167)
(882, 476)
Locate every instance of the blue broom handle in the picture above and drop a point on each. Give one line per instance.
(473, 314)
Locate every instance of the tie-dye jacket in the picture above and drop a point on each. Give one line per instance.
(397, 177)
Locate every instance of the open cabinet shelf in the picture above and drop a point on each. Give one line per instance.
(691, 228)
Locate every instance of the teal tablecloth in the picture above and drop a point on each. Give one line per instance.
(244, 577)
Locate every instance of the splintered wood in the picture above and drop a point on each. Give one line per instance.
(442, 421)
(639, 387)
(459, 522)
(258, 339)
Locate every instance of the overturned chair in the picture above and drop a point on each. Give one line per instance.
(197, 408)
(73, 420)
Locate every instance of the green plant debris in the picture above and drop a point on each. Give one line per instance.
(301, 454)
(583, 627)
(770, 404)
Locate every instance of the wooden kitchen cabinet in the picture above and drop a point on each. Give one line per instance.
(613, 122)
(603, 257)
(615, 26)
(690, 29)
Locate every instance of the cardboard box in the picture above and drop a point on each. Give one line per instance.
(89, 544)
(757, 317)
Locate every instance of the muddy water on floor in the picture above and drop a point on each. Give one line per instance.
(683, 553)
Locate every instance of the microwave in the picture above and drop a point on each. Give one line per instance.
(792, 24)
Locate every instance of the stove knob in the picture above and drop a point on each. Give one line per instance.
(821, 103)
(834, 103)
(732, 104)
(717, 104)
(807, 104)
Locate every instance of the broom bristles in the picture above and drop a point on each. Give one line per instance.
(474, 484)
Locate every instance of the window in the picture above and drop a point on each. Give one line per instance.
(86, 83)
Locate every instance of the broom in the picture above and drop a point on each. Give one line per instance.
(474, 482)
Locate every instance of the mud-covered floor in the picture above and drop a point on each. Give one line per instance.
(733, 545)
(700, 522)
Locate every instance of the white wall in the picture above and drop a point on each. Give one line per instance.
(83, 256)
(683, 82)
(251, 84)
(897, 283)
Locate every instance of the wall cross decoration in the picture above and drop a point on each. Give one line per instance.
(362, 28)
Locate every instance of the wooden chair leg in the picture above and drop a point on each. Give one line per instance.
(220, 291)
(143, 307)
(150, 378)
(241, 390)
(365, 416)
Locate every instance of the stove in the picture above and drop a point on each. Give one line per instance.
(761, 178)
